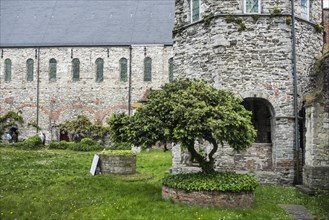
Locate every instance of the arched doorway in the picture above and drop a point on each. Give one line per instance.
(262, 115)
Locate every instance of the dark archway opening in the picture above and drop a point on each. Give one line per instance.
(261, 118)
(64, 136)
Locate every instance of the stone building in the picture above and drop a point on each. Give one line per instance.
(60, 59)
(246, 46)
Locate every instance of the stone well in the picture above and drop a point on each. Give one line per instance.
(117, 164)
(218, 199)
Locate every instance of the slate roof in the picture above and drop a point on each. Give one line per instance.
(85, 22)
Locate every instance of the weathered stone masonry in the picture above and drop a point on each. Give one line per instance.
(326, 29)
(256, 64)
(64, 99)
(316, 168)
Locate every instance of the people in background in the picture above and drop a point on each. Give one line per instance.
(42, 137)
(13, 132)
(8, 137)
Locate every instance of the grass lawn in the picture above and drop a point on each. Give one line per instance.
(56, 184)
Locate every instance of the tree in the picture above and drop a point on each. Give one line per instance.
(82, 127)
(190, 110)
(119, 128)
(10, 119)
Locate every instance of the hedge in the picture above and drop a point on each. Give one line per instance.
(231, 182)
(118, 152)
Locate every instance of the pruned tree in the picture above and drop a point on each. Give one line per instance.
(185, 111)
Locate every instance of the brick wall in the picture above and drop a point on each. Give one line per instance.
(210, 198)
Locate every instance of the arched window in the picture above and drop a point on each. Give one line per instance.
(99, 70)
(147, 69)
(76, 69)
(52, 69)
(7, 70)
(261, 118)
(29, 70)
(123, 69)
(171, 69)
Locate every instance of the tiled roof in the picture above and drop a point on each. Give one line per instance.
(85, 22)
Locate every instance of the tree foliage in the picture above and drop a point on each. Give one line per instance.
(187, 111)
(119, 127)
(82, 127)
(10, 119)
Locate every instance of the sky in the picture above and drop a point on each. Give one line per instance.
(326, 3)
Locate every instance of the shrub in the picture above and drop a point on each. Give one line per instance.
(121, 146)
(288, 20)
(231, 182)
(31, 143)
(2, 145)
(118, 152)
(88, 141)
(86, 144)
(318, 28)
(276, 11)
(83, 147)
(59, 145)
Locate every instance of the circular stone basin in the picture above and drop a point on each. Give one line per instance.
(117, 164)
(244, 199)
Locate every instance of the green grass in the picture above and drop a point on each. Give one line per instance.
(56, 184)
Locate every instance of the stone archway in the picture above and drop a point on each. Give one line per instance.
(262, 115)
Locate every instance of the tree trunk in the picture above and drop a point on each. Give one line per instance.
(206, 166)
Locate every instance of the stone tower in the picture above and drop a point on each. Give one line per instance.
(246, 46)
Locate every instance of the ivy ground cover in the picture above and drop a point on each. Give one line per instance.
(56, 184)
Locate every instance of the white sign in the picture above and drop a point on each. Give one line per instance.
(94, 165)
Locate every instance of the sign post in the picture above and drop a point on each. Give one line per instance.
(94, 165)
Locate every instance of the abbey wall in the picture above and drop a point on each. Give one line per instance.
(63, 98)
(254, 61)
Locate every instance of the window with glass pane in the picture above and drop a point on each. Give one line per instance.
(252, 6)
(7, 70)
(99, 70)
(76, 69)
(195, 10)
(325, 3)
(171, 69)
(52, 69)
(304, 9)
(29, 68)
(123, 70)
(147, 69)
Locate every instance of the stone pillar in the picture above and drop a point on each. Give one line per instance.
(176, 159)
(316, 169)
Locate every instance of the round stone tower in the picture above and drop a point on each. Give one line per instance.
(246, 46)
